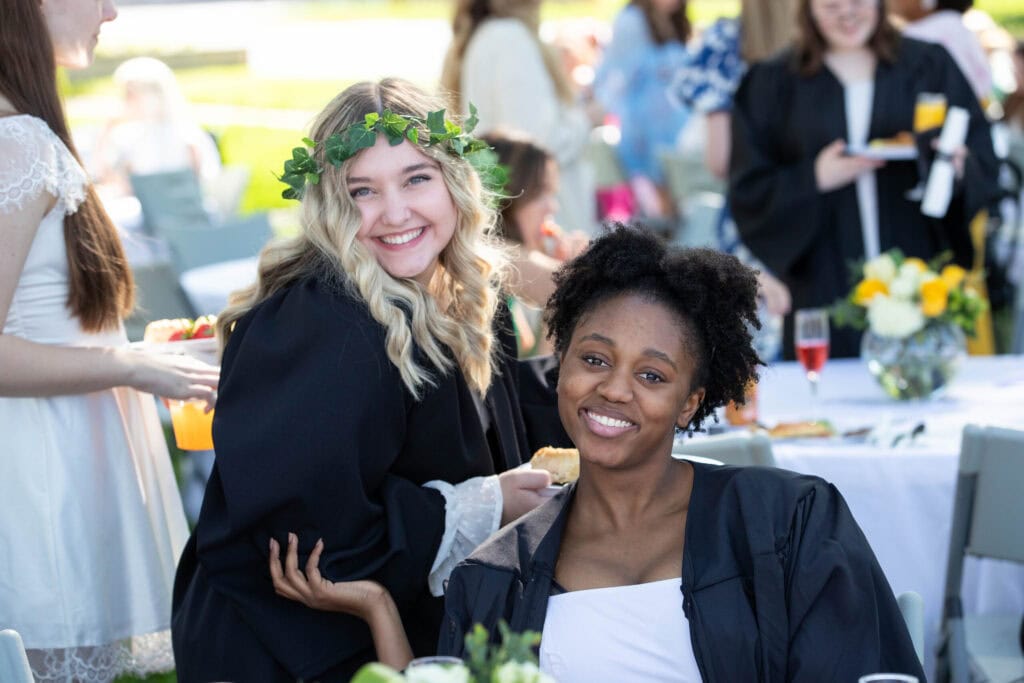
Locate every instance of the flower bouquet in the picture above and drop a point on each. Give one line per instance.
(511, 662)
(915, 316)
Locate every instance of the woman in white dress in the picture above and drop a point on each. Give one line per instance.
(93, 523)
(498, 63)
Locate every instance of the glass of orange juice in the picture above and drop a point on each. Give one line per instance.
(929, 111)
(193, 426)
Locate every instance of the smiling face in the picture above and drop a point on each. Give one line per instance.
(845, 24)
(625, 382)
(74, 27)
(408, 216)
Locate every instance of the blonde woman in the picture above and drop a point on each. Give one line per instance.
(365, 401)
(498, 62)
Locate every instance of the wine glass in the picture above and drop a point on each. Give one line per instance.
(811, 336)
(929, 115)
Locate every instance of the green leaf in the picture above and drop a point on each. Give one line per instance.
(469, 125)
(459, 145)
(436, 123)
(413, 134)
(360, 138)
(377, 673)
(452, 128)
(308, 142)
(313, 178)
(371, 119)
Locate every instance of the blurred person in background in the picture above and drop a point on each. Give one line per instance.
(93, 522)
(942, 22)
(707, 85)
(803, 204)
(154, 132)
(648, 46)
(498, 63)
(527, 223)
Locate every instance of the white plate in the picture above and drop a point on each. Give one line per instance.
(885, 152)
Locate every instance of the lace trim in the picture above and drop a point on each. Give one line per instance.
(34, 159)
(472, 512)
(139, 656)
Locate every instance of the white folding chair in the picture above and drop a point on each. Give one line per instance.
(987, 522)
(14, 666)
(740, 448)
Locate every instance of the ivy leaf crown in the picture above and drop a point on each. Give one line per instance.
(302, 168)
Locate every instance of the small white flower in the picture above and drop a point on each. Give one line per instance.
(890, 317)
(905, 286)
(520, 672)
(437, 673)
(881, 268)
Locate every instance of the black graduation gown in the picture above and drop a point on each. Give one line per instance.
(782, 120)
(316, 433)
(778, 582)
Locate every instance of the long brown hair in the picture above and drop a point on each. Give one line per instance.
(469, 15)
(101, 290)
(766, 27)
(811, 45)
(665, 28)
(527, 164)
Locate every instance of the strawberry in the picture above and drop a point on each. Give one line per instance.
(178, 335)
(202, 331)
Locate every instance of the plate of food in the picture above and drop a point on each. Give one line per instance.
(804, 429)
(899, 147)
(182, 336)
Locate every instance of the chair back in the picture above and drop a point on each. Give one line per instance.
(741, 448)
(170, 200)
(158, 295)
(14, 667)
(987, 509)
(203, 245)
(912, 608)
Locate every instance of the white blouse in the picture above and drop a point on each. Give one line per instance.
(623, 633)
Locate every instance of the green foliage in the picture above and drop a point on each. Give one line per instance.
(302, 168)
(482, 658)
(377, 673)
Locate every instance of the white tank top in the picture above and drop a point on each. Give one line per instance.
(624, 633)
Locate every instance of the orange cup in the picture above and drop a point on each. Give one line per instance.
(193, 428)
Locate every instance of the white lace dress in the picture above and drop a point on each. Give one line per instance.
(92, 523)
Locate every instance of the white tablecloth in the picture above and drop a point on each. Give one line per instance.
(903, 497)
(208, 287)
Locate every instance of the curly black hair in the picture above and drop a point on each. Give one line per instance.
(714, 295)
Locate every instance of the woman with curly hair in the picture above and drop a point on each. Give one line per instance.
(776, 579)
(366, 400)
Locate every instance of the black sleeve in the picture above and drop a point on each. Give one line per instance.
(843, 618)
(310, 418)
(980, 185)
(476, 594)
(773, 199)
(538, 401)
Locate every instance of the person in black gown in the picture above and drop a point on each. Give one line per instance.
(794, 188)
(368, 398)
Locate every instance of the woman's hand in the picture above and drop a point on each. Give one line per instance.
(367, 600)
(172, 376)
(834, 169)
(775, 295)
(358, 598)
(521, 492)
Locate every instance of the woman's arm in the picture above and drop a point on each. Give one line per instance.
(718, 143)
(367, 600)
(31, 369)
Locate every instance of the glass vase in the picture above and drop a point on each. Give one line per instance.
(916, 367)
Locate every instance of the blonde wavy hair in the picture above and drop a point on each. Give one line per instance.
(469, 15)
(455, 312)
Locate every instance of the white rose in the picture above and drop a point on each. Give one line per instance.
(880, 268)
(889, 317)
(437, 673)
(520, 672)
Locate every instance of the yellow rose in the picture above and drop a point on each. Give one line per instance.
(934, 297)
(916, 263)
(953, 275)
(867, 290)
